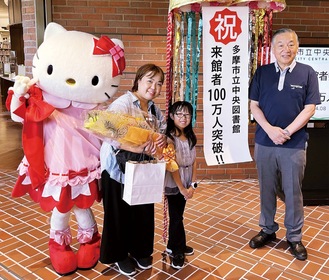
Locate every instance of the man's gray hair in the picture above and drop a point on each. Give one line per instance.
(284, 30)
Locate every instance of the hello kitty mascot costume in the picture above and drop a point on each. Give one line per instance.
(73, 72)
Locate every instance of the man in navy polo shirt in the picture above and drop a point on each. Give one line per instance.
(283, 96)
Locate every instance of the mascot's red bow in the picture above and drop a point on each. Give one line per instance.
(105, 46)
(34, 110)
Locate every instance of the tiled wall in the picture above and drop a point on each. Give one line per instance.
(142, 26)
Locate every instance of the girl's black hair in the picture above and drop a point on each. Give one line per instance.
(173, 130)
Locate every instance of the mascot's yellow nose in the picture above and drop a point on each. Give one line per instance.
(70, 82)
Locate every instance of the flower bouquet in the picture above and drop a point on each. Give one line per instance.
(119, 127)
(127, 129)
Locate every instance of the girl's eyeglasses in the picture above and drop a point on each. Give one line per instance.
(181, 115)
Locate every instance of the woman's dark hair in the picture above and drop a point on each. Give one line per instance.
(173, 130)
(143, 70)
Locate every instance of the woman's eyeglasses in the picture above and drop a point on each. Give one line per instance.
(181, 115)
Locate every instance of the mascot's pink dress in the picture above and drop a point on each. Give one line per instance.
(73, 72)
(70, 158)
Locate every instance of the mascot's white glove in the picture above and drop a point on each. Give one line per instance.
(21, 86)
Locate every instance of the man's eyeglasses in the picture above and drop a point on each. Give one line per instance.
(181, 115)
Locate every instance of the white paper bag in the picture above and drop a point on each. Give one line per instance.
(144, 182)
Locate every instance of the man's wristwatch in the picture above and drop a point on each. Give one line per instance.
(194, 185)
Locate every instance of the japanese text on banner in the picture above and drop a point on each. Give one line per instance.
(226, 81)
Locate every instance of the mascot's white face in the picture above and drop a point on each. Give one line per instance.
(66, 67)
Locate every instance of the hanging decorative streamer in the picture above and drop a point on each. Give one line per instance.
(188, 74)
(188, 57)
(182, 55)
(193, 56)
(260, 21)
(176, 56)
(196, 60)
(269, 36)
(169, 62)
(251, 40)
(261, 34)
(194, 73)
(255, 41)
(165, 221)
(265, 45)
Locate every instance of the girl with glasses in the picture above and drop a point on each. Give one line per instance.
(180, 185)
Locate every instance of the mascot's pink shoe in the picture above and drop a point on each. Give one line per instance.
(62, 258)
(89, 251)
